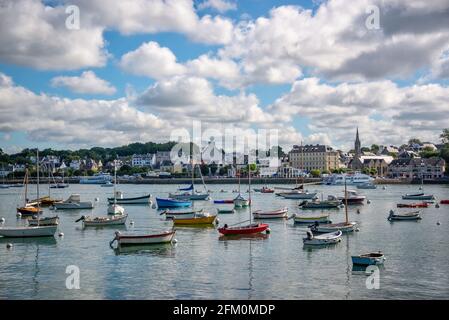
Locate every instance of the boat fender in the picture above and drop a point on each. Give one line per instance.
(2, 220)
(18, 215)
(9, 245)
(97, 199)
(131, 222)
(217, 221)
(268, 231)
(61, 234)
(175, 240)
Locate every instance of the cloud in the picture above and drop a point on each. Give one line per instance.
(87, 83)
(152, 61)
(219, 5)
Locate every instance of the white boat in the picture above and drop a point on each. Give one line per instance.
(311, 218)
(352, 197)
(323, 239)
(25, 232)
(404, 216)
(103, 221)
(180, 214)
(342, 226)
(73, 202)
(139, 239)
(366, 186)
(134, 200)
(98, 178)
(107, 184)
(239, 201)
(115, 208)
(276, 214)
(350, 179)
(299, 195)
(44, 221)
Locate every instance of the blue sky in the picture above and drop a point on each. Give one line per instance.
(312, 76)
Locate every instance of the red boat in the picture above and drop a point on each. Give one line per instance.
(266, 190)
(413, 205)
(248, 229)
(444, 202)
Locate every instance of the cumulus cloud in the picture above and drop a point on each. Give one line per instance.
(219, 5)
(86, 83)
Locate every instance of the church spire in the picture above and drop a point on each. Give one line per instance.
(358, 148)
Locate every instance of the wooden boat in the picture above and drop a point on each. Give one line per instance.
(309, 219)
(172, 203)
(276, 214)
(298, 195)
(29, 231)
(404, 216)
(418, 196)
(180, 214)
(369, 259)
(47, 201)
(128, 240)
(73, 203)
(444, 202)
(44, 221)
(239, 201)
(322, 240)
(103, 221)
(324, 204)
(29, 211)
(196, 220)
(134, 200)
(413, 205)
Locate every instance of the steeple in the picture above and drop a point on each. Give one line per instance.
(358, 148)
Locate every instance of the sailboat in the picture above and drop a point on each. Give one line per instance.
(419, 195)
(61, 185)
(115, 208)
(47, 200)
(343, 226)
(192, 195)
(251, 228)
(31, 230)
(29, 208)
(240, 201)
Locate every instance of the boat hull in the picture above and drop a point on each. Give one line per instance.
(278, 214)
(418, 197)
(298, 196)
(101, 222)
(249, 229)
(47, 221)
(311, 219)
(129, 240)
(73, 206)
(28, 232)
(135, 200)
(171, 203)
(368, 259)
(195, 220)
(324, 239)
(29, 211)
(343, 227)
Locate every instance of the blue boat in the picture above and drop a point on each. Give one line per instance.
(368, 259)
(172, 203)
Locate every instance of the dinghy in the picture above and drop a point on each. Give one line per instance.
(276, 214)
(133, 200)
(309, 219)
(197, 219)
(223, 201)
(180, 214)
(324, 204)
(45, 221)
(264, 190)
(297, 195)
(142, 239)
(103, 221)
(418, 196)
(404, 216)
(369, 259)
(322, 240)
(26, 232)
(239, 201)
(172, 203)
(352, 197)
(413, 205)
(72, 203)
(226, 211)
(444, 202)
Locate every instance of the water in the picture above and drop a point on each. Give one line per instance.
(201, 266)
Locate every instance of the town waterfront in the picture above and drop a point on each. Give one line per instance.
(201, 265)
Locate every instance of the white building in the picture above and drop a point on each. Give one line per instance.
(143, 160)
(75, 164)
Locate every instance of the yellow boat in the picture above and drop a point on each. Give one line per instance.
(199, 219)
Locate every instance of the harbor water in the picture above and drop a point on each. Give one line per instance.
(203, 265)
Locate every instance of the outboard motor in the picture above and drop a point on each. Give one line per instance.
(82, 218)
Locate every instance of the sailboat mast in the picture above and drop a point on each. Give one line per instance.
(115, 181)
(193, 176)
(346, 203)
(37, 176)
(26, 186)
(249, 191)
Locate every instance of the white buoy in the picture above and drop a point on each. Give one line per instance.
(61, 234)
(268, 231)
(357, 229)
(18, 215)
(175, 240)
(131, 222)
(9, 245)
(217, 221)
(97, 199)
(368, 201)
(2, 220)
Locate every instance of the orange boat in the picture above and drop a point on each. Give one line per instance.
(28, 208)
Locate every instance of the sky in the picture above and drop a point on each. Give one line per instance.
(143, 70)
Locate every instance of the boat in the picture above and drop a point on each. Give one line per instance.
(172, 203)
(224, 210)
(46, 201)
(223, 201)
(350, 179)
(114, 208)
(73, 202)
(369, 259)
(264, 190)
(404, 216)
(44, 221)
(146, 199)
(248, 229)
(309, 219)
(103, 221)
(418, 196)
(30, 231)
(197, 219)
(98, 178)
(299, 195)
(180, 214)
(193, 194)
(413, 205)
(444, 202)
(107, 184)
(320, 204)
(344, 227)
(367, 185)
(29, 208)
(239, 201)
(275, 214)
(323, 239)
(352, 197)
(60, 185)
(141, 239)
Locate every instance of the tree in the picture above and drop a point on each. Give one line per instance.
(315, 173)
(414, 141)
(375, 148)
(445, 136)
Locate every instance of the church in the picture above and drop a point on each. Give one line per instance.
(368, 163)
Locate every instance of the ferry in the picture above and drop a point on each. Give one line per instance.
(98, 178)
(351, 179)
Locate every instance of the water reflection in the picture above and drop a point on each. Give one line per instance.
(161, 250)
(256, 236)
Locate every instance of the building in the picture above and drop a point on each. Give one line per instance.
(413, 168)
(211, 154)
(162, 156)
(143, 160)
(314, 157)
(76, 164)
